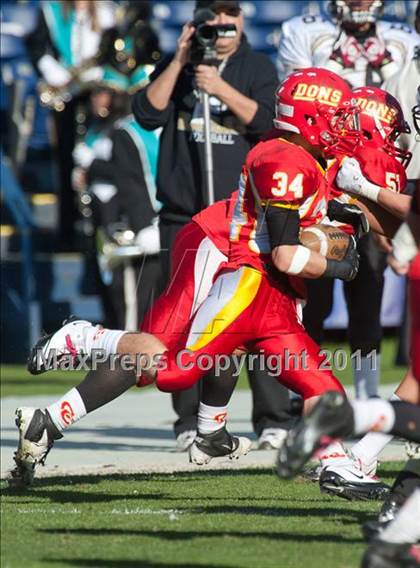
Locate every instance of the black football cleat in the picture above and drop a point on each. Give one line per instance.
(349, 482)
(331, 417)
(218, 444)
(37, 434)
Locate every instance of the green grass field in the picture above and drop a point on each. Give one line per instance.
(236, 519)
(16, 381)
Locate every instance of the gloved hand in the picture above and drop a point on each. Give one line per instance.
(350, 215)
(346, 51)
(55, 74)
(83, 156)
(351, 179)
(347, 268)
(375, 51)
(91, 75)
(103, 149)
(148, 240)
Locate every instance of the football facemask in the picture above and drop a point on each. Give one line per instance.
(356, 11)
(382, 121)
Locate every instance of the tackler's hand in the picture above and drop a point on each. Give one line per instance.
(351, 179)
(350, 215)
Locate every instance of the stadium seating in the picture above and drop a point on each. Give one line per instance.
(269, 12)
(173, 13)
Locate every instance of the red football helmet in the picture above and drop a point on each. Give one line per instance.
(318, 104)
(382, 121)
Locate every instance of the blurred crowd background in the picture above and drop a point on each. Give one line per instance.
(67, 235)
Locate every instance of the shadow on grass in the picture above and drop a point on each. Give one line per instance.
(177, 477)
(188, 535)
(139, 563)
(82, 497)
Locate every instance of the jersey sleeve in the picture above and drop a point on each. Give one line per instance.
(295, 46)
(401, 39)
(294, 49)
(383, 170)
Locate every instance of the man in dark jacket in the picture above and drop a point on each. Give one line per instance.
(241, 92)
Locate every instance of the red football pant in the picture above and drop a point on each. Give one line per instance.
(195, 261)
(246, 307)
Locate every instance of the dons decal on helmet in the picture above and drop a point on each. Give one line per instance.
(318, 104)
(356, 11)
(382, 121)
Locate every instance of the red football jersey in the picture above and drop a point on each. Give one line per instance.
(215, 221)
(377, 166)
(283, 175)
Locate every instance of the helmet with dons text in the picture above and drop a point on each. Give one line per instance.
(382, 121)
(356, 11)
(319, 105)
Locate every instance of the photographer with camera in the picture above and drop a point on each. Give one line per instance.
(240, 84)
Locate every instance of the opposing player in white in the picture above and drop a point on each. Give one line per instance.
(355, 44)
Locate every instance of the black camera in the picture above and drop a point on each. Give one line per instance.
(203, 42)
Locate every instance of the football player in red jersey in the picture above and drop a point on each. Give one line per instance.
(171, 312)
(321, 107)
(282, 187)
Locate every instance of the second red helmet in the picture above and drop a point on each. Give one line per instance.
(382, 121)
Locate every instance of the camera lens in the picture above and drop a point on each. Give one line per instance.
(206, 35)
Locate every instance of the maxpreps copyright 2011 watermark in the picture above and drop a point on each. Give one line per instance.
(273, 364)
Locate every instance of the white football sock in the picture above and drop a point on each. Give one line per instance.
(405, 528)
(366, 373)
(370, 446)
(211, 418)
(67, 410)
(105, 340)
(374, 414)
(334, 454)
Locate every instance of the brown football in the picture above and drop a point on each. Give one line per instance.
(329, 241)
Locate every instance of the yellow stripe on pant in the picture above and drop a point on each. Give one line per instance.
(230, 295)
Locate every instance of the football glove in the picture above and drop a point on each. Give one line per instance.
(347, 268)
(351, 179)
(350, 215)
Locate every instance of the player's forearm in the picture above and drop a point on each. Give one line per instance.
(160, 90)
(351, 179)
(244, 107)
(395, 203)
(381, 221)
(297, 260)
